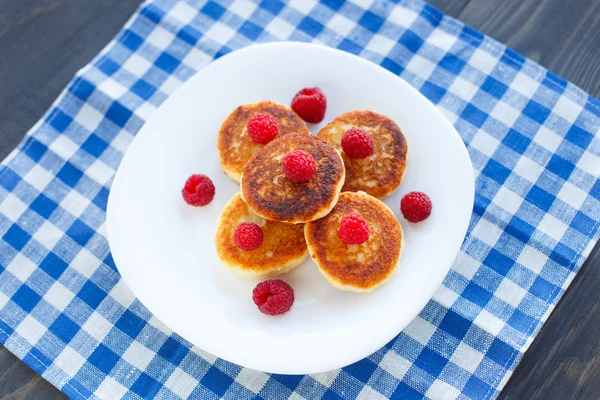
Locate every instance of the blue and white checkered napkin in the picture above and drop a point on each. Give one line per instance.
(533, 139)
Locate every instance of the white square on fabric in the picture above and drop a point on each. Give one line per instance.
(243, 8)
(466, 265)
(528, 169)
(100, 172)
(137, 65)
(48, 235)
(487, 232)
(183, 12)
(483, 61)
(547, 139)
(89, 117)
(420, 330)
(463, 89)
(122, 294)
(466, 357)
(508, 200)
(75, 203)
(589, 163)
(445, 296)
(440, 390)
(64, 147)
(252, 380)
(3, 299)
(524, 84)
(196, 59)
(505, 113)
(12, 207)
(485, 143)
(380, 44)
(421, 66)
(510, 292)
(395, 364)
(304, 6)
(489, 322)
(326, 378)
(38, 177)
(69, 361)
(59, 296)
(97, 326)
(85, 263)
(567, 109)
(442, 40)
(112, 88)
(572, 195)
(181, 383)
(342, 25)
(280, 28)
(144, 111)
(532, 259)
(552, 227)
(160, 38)
(170, 84)
(220, 33)
(123, 139)
(138, 355)
(110, 389)
(31, 329)
(403, 17)
(368, 393)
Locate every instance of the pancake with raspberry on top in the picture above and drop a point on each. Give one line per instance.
(357, 246)
(241, 136)
(295, 178)
(373, 148)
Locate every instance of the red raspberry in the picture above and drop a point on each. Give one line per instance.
(299, 166)
(357, 143)
(415, 206)
(310, 104)
(198, 190)
(353, 229)
(248, 236)
(262, 128)
(273, 297)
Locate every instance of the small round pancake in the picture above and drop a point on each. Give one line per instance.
(356, 267)
(283, 247)
(381, 173)
(270, 194)
(235, 146)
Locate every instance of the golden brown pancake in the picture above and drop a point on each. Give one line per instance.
(283, 247)
(270, 194)
(235, 146)
(381, 173)
(356, 267)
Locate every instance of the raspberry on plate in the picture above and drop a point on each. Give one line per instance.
(353, 229)
(415, 206)
(310, 104)
(198, 190)
(357, 143)
(273, 297)
(248, 236)
(262, 128)
(299, 166)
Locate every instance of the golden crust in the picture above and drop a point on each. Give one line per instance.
(282, 249)
(270, 194)
(235, 146)
(357, 267)
(381, 173)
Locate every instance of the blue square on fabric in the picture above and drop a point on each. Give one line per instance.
(153, 13)
(543, 289)
(433, 92)
(94, 145)
(91, 294)
(250, 30)
(16, 237)
(481, 204)
(579, 137)
(431, 362)
(189, 35)
(34, 149)
(371, 21)
(213, 10)
(310, 26)
(130, 323)
(9, 179)
(455, 324)
(452, 63)
(101, 199)
(554, 82)
(64, 328)
(335, 5)
(106, 65)
(103, 358)
(26, 298)
(494, 87)
(411, 41)
(143, 89)
(522, 322)
(496, 171)
(289, 381)
(69, 174)
(595, 191)
(131, 40)
(118, 114)
(43, 206)
(536, 112)
(173, 351)
(82, 88)
(75, 390)
(146, 386)
(513, 59)
(331, 395)
(473, 115)
(167, 62)
(519, 229)
(540, 198)
(361, 370)
(59, 120)
(501, 353)
(53, 265)
(583, 223)
(272, 6)
(471, 36)
(391, 66)
(476, 294)
(498, 262)
(349, 46)
(560, 167)
(80, 232)
(36, 359)
(564, 256)
(216, 380)
(516, 141)
(476, 388)
(405, 392)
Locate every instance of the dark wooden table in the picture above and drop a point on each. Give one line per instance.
(44, 42)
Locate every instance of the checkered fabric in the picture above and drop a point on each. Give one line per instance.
(532, 137)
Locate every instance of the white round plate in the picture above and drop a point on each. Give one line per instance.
(164, 249)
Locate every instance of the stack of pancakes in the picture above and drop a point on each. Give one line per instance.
(304, 217)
